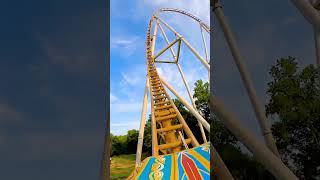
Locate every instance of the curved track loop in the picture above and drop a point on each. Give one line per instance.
(205, 26)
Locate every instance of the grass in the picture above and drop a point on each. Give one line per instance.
(122, 165)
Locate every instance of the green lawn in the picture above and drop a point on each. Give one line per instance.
(122, 165)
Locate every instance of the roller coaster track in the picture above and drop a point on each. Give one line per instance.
(205, 26)
(164, 111)
(171, 135)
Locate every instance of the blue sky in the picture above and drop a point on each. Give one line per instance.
(129, 20)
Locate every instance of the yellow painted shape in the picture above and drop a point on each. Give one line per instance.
(201, 159)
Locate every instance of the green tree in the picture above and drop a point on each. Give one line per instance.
(201, 96)
(111, 142)
(119, 145)
(221, 136)
(132, 141)
(190, 120)
(295, 104)
(147, 139)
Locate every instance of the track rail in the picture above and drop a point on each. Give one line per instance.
(166, 119)
(205, 26)
(171, 135)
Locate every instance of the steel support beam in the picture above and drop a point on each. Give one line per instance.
(235, 51)
(181, 72)
(270, 161)
(154, 37)
(204, 44)
(194, 51)
(205, 49)
(308, 11)
(187, 105)
(192, 100)
(167, 47)
(312, 15)
(167, 40)
(155, 151)
(185, 126)
(142, 124)
(178, 51)
(171, 62)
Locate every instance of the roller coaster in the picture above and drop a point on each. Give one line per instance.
(176, 153)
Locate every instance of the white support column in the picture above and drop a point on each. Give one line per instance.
(155, 151)
(162, 61)
(195, 52)
(183, 140)
(187, 105)
(142, 124)
(167, 40)
(154, 36)
(167, 47)
(205, 49)
(263, 154)
(204, 44)
(192, 100)
(312, 15)
(308, 11)
(245, 76)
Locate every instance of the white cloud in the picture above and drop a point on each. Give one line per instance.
(130, 78)
(126, 116)
(125, 124)
(123, 128)
(125, 107)
(113, 98)
(124, 44)
(132, 82)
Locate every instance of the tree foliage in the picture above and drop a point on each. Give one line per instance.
(295, 103)
(119, 145)
(127, 144)
(190, 120)
(202, 95)
(147, 140)
(132, 140)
